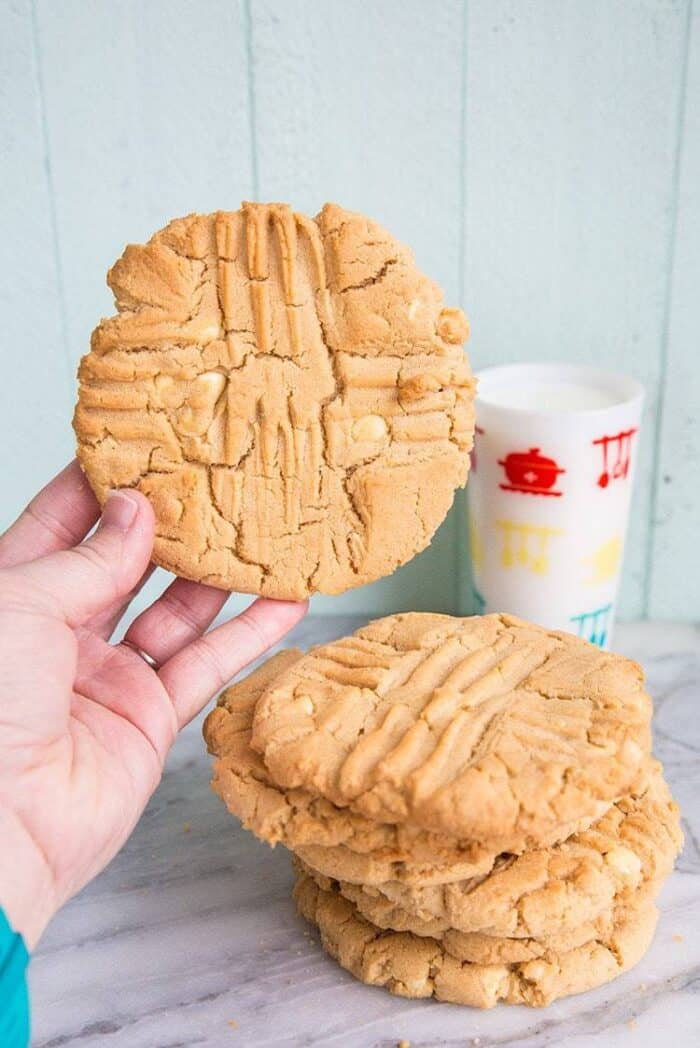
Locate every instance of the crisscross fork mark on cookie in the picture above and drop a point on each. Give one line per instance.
(338, 840)
(484, 728)
(291, 394)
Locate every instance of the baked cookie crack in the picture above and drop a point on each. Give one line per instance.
(300, 363)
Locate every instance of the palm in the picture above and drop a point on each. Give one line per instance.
(118, 729)
(85, 725)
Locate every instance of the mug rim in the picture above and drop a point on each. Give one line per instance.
(627, 389)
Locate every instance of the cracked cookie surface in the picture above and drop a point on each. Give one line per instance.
(291, 394)
(482, 948)
(546, 894)
(340, 842)
(486, 729)
(414, 966)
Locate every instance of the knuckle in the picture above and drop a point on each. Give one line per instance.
(51, 523)
(176, 607)
(207, 653)
(249, 622)
(94, 555)
(99, 560)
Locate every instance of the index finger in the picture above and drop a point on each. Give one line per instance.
(195, 674)
(59, 517)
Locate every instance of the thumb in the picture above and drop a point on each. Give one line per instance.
(81, 582)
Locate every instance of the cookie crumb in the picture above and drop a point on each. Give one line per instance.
(631, 1024)
(678, 938)
(186, 827)
(232, 1023)
(404, 1044)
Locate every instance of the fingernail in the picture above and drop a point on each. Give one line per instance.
(119, 511)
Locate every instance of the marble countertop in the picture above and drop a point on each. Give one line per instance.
(190, 936)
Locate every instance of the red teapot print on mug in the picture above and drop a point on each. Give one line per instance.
(531, 473)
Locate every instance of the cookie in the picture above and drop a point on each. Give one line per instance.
(482, 948)
(291, 394)
(547, 894)
(486, 729)
(477, 948)
(338, 841)
(378, 868)
(414, 966)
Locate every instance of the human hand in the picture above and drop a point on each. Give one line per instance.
(85, 725)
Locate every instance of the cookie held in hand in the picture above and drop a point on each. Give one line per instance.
(291, 394)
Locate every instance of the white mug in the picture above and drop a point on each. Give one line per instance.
(549, 493)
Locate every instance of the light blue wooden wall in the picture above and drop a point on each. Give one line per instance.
(541, 156)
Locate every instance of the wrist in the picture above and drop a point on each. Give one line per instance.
(27, 892)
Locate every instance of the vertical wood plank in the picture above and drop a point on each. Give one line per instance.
(360, 103)
(571, 133)
(571, 117)
(675, 559)
(35, 387)
(147, 120)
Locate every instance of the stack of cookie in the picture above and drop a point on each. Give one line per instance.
(472, 803)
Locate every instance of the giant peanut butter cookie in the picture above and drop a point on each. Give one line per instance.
(337, 841)
(482, 948)
(413, 966)
(486, 729)
(291, 394)
(545, 893)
